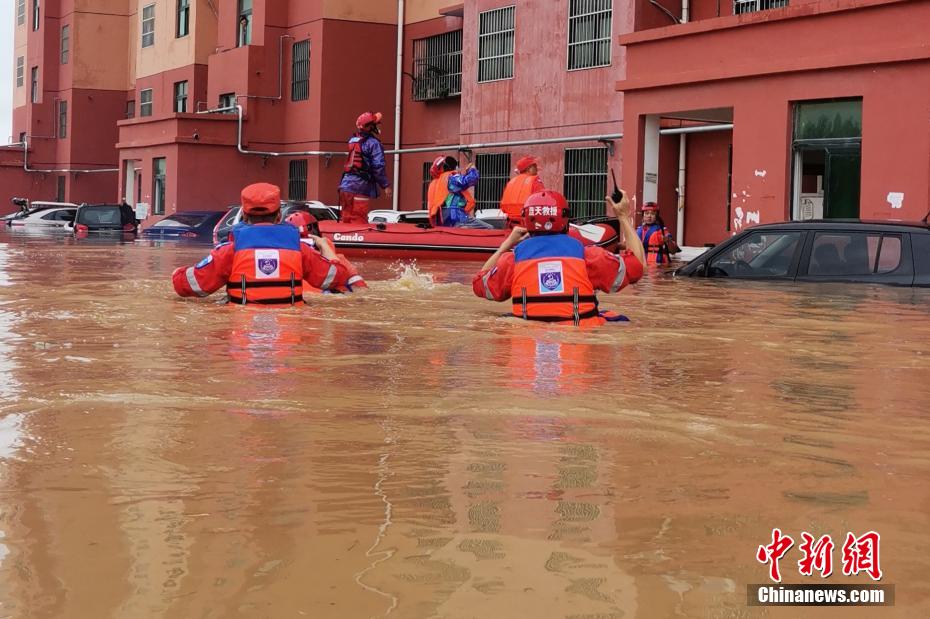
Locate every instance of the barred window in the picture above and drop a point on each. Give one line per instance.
(427, 179)
(145, 102)
(62, 119)
(20, 12)
(184, 18)
(227, 101)
(297, 179)
(495, 173)
(148, 26)
(495, 44)
(20, 71)
(180, 97)
(437, 66)
(751, 6)
(300, 71)
(65, 43)
(586, 180)
(589, 28)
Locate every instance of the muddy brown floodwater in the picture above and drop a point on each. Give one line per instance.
(411, 453)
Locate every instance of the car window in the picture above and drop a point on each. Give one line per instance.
(323, 214)
(106, 216)
(229, 218)
(760, 254)
(854, 254)
(920, 244)
(181, 220)
(59, 215)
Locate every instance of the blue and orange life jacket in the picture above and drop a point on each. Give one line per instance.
(653, 238)
(550, 281)
(267, 266)
(355, 160)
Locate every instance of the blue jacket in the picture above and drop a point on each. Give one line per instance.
(459, 183)
(373, 154)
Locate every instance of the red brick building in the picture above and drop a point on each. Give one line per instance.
(792, 108)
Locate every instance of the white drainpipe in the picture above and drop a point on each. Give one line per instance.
(397, 102)
(682, 154)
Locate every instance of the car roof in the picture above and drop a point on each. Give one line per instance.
(37, 204)
(884, 225)
(196, 213)
(104, 205)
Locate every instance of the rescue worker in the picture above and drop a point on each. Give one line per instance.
(308, 226)
(450, 197)
(264, 261)
(655, 237)
(521, 187)
(363, 173)
(552, 277)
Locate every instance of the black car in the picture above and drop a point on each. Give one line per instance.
(876, 252)
(234, 215)
(105, 218)
(190, 225)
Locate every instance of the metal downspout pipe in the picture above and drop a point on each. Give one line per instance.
(682, 155)
(26, 167)
(398, 103)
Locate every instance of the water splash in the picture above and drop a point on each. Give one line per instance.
(409, 277)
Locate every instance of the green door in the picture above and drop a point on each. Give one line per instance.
(841, 198)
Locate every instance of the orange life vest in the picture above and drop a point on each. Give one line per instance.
(550, 281)
(267, 266)
(653, 238)
(438, 193)
(516, 192)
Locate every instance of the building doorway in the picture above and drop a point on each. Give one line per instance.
(827, 155)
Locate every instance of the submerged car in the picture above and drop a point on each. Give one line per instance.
(91, 218)
(43, 216)
(190, 225)
(855, 251)
(233, 216)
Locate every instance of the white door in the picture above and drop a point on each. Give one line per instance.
(129, 192)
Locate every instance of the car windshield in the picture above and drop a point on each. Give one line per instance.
(323, 213)
(100, 216)
(182, 220)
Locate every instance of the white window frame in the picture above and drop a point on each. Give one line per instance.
(65, 46)
(180, 95)
(608, 39)
(183, 17)
(511, 55)
(150, 22)
(753, 6)
(36, 15)
(143, 102)
(20, 71)
(20, 12)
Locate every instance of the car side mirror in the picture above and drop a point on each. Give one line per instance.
(701, 270)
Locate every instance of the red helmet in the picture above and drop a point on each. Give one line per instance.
(368, 118)
(524, 163)
(546, 211)
(305, 222)
(436, 169)
(649, 206)
(261, 199)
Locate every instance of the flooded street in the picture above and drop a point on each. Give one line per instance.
(412, 453)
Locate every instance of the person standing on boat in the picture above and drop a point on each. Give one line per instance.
(552, 277)
(264, 261)
(655, 237)
(521, 187)
(364, 172)
(450, 197)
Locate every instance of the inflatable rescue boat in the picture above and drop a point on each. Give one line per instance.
(407, 240)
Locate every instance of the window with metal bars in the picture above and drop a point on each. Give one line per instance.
(437, 66)
(184, 19)
(427, 179)
(751, 6)
(180, 97)
(227, 102)
(589, 28)
(20, 12)
(62, 119)
(145, 102)
(65, 43)
(148, 25)
(495, 44)
(495, 173)
(585, 183)
(300, 71)
(20, 71)
(297, 179)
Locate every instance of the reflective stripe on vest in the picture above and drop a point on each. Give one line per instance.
(267, 265)
(516, 192)
(550, 281)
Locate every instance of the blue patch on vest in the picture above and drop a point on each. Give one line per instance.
(278, 236)
(204, 262)
(549, 246)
